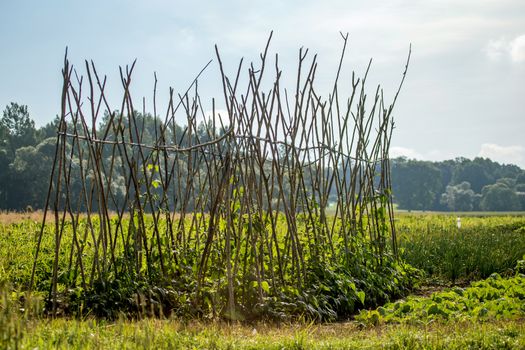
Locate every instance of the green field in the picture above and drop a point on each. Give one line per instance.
(172, 334)
(470, 293)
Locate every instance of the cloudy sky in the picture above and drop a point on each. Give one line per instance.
(464, 94)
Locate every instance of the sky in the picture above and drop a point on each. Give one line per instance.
(463, 95)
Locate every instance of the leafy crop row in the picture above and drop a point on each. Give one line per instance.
(332, 289)
(492, 298)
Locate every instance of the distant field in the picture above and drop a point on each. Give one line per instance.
(9, 217)
(402, 212)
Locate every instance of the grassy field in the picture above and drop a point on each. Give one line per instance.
(172, 334)
(483, 245)
(471, 295)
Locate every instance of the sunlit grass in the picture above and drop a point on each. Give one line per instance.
(482, 246)
(493, 239)
(172, 334)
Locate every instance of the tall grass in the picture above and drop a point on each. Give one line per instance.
(482, 246)
(173, 334)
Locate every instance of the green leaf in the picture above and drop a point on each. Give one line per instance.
(361, 296)
(222, 225)
(265, 286)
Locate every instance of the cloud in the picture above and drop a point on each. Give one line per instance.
(503, 154)
(514, 154)
(496, 49)
(517, 49)
(398, 151)
(433, 155)
(502, 48)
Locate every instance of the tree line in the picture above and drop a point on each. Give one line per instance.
(461, 184)
(27, 152)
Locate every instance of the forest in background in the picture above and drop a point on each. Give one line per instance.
(461, 184)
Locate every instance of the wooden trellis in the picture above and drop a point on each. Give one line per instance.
(282, 181)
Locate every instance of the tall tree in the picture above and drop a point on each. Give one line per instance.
(415, 184)
(460, 197)
(18, 128)
(30, 171)
(499, 197)
(478, 172)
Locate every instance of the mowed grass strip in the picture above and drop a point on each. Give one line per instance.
(172, 334)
